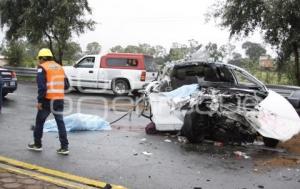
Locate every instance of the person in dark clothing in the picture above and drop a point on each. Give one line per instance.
(51, 83)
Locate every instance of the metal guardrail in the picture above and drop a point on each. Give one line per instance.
(29, 72)
(283, 87)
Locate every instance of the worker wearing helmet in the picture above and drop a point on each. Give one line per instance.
(51, 84)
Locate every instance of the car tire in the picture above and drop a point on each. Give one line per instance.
(69, 89)
(191, 129)
(270, 142)
(120, 87)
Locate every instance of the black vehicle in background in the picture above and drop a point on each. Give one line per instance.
(9, 81)
(291, 93)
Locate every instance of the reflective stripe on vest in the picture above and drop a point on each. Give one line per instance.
(55, 83)
(55, 78)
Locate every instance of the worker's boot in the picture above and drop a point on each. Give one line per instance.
(34, 147)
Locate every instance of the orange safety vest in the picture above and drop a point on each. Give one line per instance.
(55, 77)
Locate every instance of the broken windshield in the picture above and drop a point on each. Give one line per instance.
(200, 73)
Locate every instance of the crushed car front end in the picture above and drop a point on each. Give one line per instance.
(228, 104)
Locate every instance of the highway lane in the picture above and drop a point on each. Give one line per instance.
(117, 156)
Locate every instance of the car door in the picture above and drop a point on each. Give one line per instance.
(86, 73)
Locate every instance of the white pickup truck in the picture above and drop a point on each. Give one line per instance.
(120, 72)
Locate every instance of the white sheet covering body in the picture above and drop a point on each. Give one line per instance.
(79, 122)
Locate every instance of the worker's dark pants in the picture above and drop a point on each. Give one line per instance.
(55, 107)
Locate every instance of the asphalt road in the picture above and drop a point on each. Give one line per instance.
(117, 157)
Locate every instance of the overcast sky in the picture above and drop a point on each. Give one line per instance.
(157, 22)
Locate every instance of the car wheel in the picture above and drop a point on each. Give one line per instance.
(193, 123)
(120, 87)
(270, 142)
(68, 88)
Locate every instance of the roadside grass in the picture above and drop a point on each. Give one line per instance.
(271, 77)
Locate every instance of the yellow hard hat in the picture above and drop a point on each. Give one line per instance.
(45, 52)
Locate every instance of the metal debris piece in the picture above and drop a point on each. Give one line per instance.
(147, 153)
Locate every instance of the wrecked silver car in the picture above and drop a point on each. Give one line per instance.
(222, 102)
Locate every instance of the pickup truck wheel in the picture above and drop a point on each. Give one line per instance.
(120, 87)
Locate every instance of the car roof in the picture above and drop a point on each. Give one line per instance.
(187, 63)
(190, 63)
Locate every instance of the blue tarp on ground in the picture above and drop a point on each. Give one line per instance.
(183, 91)
(79, 122)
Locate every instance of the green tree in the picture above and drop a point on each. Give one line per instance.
(51, 20)
(147, 49)
(117, 49)
(160, 51)
(15, 52)
(132, 49)
(93, 48)
(236, 59)
(278, 19)
(254, 50)
(177, 51)
(215, 52)
(73, 52)
(1, 48)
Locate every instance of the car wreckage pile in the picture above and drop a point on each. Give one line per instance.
(221, 102)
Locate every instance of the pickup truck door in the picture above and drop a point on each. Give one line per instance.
(86, 72)
(104, 76)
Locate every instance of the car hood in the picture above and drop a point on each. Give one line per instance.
(276, 118)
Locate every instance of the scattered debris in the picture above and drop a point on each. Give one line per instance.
(143, 139)
(182, 139)
(151, 129)
(241, 154)
(292, 145)
(258, 143)
(219, 144)
(260, 186)
(168, 140)
(147, 153)
(279, 162)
